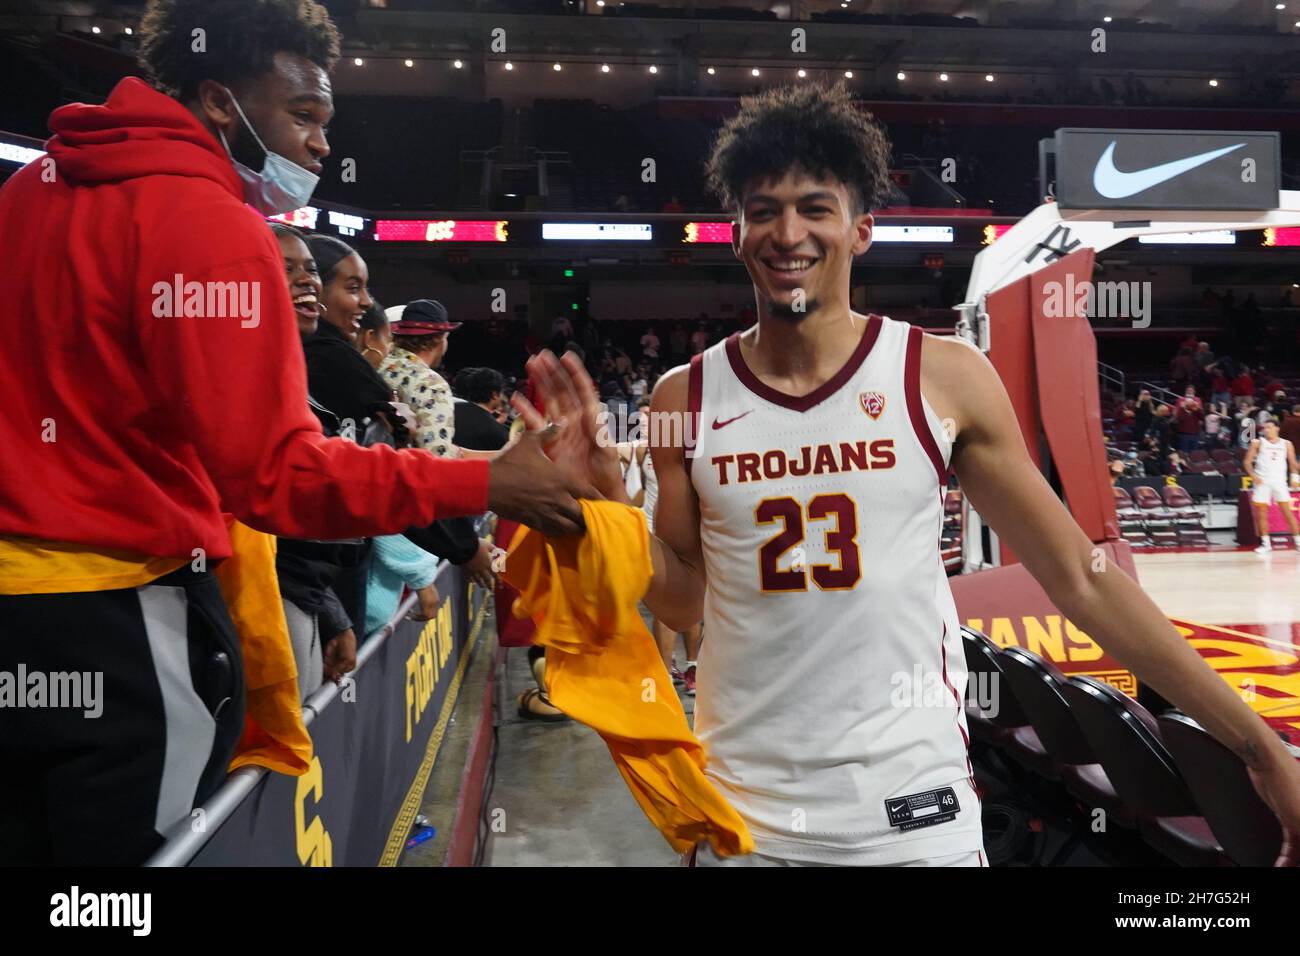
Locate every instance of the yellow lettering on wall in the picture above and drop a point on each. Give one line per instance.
(975, 623)
(421, 674)
(411, 693)
(315, 848)
(1045, 642)
(1079, 646)
(1003, 634)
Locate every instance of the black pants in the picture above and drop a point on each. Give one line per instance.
(76, 788)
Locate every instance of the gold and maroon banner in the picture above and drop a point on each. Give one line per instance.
(1009, 606)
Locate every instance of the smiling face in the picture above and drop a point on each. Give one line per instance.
(304, 282)
(288, 107)
(346, 296)
(797, 237)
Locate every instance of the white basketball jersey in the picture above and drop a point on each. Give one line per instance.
(1271, 461)
(651, 490)
(832, 673)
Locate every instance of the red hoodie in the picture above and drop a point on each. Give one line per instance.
(158, 424)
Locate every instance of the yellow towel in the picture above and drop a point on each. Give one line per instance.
(604, 670)
(274, 734)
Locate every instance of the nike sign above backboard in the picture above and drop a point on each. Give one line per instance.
(1166, 169)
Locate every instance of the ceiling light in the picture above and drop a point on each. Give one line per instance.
(1214, 82)
(1107, 19)
(902, 75)
(556, 67)
(712, 71)
(509, 65)
(359, 62)
(410, 63)
(94, 29)
(754, 72)
(129, 31)
(654, 69)
(943, 77)
(848, 74)
(604, 68)
(457, 64)
(801, 74)
(988, 77)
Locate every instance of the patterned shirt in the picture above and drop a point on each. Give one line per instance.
(429, 396)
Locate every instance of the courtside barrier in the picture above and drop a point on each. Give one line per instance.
(376, 738)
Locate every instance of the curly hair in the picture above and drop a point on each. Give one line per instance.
(814, 128)
(240, 39)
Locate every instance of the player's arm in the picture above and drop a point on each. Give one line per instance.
(676, 595)
(1007, 489)
(1247, 463)
(1291, 468)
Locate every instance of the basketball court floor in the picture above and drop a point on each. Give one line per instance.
(564, 804)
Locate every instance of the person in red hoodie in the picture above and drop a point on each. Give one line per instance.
(161, 382)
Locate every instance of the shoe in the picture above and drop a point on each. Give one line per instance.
(1264, 548)
(690, 681)
(676, 673)
(535, 705)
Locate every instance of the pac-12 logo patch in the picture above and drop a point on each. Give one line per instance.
(873, 403)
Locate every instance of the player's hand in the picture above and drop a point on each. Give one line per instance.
(526, 486)
(1278, 785)
(585, 451)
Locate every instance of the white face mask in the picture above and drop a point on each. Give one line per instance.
(282, 185)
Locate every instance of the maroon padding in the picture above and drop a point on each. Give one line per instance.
(469, 802)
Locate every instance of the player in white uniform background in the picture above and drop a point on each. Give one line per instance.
(1270, 462)
(805, 529)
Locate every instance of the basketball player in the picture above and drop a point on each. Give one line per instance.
(1269, 462)
(804, 527)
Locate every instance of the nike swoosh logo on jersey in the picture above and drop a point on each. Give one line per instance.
(1114, 184)
(897, 808)
(719, 424)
